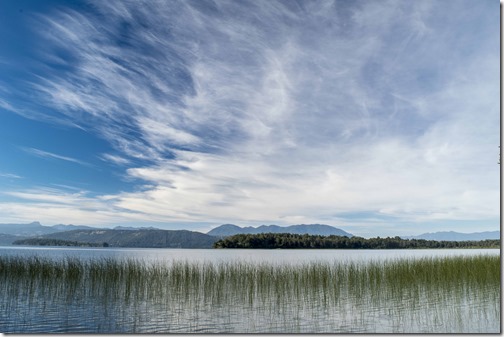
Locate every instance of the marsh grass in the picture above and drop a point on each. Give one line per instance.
(407, 295)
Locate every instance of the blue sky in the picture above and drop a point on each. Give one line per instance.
(377, 117)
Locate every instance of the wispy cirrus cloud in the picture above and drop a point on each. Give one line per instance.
(10, 175)
(50, 155)
(286, 112)
(58, 205)
(118, 160)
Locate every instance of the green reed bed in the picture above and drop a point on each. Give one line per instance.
(429, 289)
(253, 279)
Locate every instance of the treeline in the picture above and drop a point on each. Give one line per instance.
(56, 242)
(306, 241)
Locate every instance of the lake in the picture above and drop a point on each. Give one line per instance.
(291, 256)
(251, 291)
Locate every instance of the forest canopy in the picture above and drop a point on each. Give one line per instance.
(306, 241)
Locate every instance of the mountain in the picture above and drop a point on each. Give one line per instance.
(455, 236)
(64, 228)
(149, 238)
(36, 229)
(314, 229)
(133, 228)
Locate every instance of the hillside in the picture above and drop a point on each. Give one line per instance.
(455, 236)
(55, 243)
(314, 229)
(8, 239)
(140, 238)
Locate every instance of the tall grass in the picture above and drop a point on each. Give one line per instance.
(428, 289)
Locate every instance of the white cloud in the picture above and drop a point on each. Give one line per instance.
(257, 111)
(118, 160)
(54, 206)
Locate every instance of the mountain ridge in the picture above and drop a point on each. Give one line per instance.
(313, 229)
(457, 236)
(35, 228)
(12, 232)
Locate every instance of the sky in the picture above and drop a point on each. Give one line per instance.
(377, 117)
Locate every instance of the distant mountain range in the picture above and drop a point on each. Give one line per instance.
(135, 228)
(455, 236)
(155, 237)
(314, 229)
(35, 229)
(148, 237)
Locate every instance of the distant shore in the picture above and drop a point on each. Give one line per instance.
(290, 241)
(305, 241)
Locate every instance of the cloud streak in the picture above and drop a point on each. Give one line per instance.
(50, 155)
(285, 112)
(118, 160)
(10, 175)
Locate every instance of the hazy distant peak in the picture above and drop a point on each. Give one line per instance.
(313, 229)
(129, 228)
(456, 236)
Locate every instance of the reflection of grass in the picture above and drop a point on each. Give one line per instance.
(425, 291)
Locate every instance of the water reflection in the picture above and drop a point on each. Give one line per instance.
(335, 295)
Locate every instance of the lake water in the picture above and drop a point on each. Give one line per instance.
(83, 307)
(280, 256)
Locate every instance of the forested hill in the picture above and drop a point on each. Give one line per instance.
(290, 241)
(150, 238)
(55, 242)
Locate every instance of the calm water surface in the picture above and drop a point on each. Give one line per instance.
(281, 256)
(28, 307)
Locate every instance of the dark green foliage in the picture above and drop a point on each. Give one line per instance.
(291, 241)
(56, 242)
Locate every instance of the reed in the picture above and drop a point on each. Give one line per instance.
(424, 287)
(446, 272)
